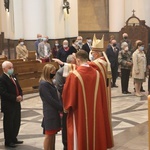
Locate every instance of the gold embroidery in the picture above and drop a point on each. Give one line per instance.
(85, 105)
(95, 100)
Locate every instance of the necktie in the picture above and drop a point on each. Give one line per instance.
(17, 91)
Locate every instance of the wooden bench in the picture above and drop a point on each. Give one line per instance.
(31, 55)
(29, 75)
(3, 57)
(12, 60)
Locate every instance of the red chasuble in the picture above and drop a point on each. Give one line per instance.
(101, 68)
(83, 97)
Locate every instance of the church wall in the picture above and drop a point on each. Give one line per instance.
(141, 8)
(93, 15)
(26, 18)
(85, 18)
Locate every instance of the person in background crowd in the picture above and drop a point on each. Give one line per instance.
(134, 49)
(74, 47)
(55, 48)
(112, 37)
(64, 51)
(11, 97)
(125, 39)
(21, 50)
(51, 106)
(80, 42)
(44, 50)
(125, 61)
(112, 54)
(139, 67)
(88, 45)
(39, 39)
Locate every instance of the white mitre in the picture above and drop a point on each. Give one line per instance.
(98, 45)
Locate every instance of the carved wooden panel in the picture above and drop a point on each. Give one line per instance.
(136, 30)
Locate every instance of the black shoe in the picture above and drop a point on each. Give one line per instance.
(128, 92)
(10, 145)
(115, 86)
(124, 92)
(142, 90)
(18, 142)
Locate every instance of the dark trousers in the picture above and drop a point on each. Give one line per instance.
(64, 130)
(125, 73)
(11, 125)
(114, 71)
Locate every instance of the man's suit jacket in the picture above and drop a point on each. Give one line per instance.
(86, 48)
(8, 93)
(112, 56)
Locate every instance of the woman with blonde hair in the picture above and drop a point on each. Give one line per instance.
(51, 106)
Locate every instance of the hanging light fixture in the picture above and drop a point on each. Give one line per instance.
(66, 5)
(6, 5)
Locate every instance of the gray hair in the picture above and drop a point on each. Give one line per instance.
(124, 44)
(70, 59)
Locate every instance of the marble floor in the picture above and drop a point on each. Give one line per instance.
(129, 121)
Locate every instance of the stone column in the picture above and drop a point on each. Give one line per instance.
(116, 15)
(54, 19)
(59, 24)
(4, 15)
(0, 16)
(34, 18)
(71, 20)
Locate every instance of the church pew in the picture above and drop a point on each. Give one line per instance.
(31, 55)
(12, 60)
(3, 58)
(29, 76)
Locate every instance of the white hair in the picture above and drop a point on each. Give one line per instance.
(65, 41)
(124, 44)
(5, 64)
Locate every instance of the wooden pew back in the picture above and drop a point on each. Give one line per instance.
(28, 74)
(31, 55)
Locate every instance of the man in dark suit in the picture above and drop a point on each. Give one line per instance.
(11, 96)
(112, 54)
(87, 45)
